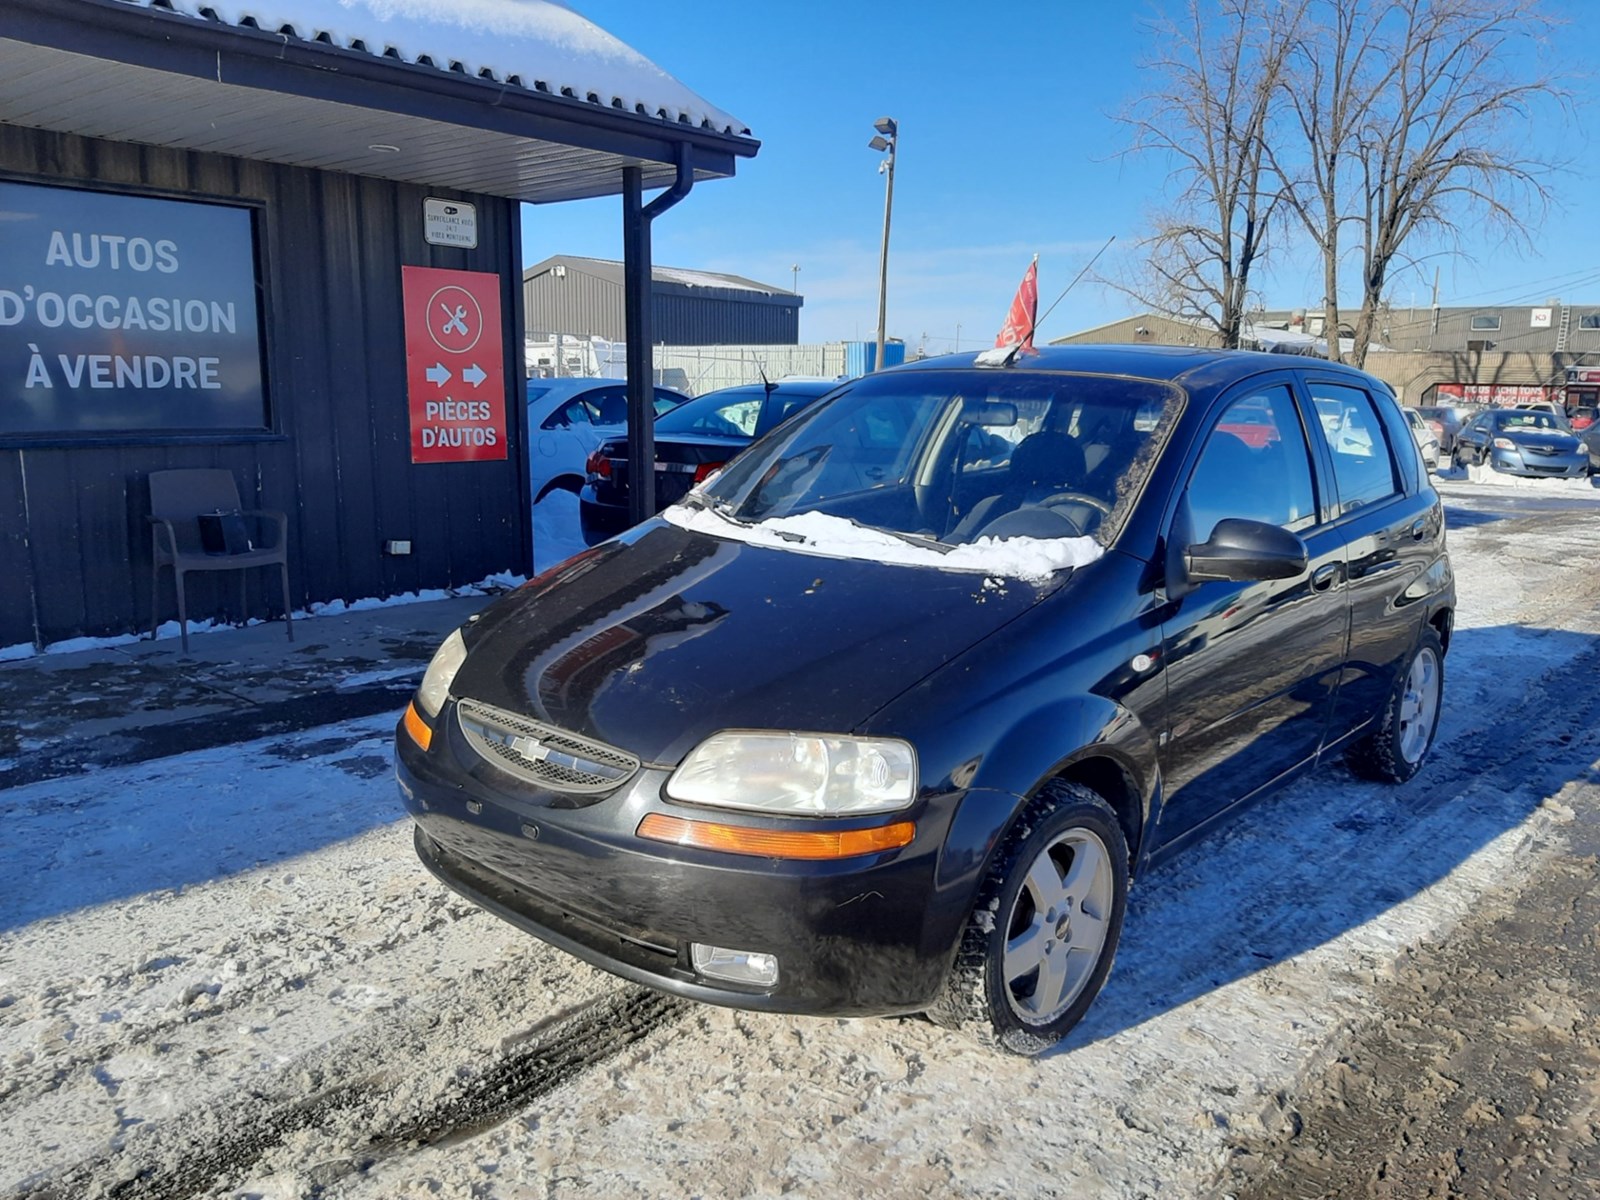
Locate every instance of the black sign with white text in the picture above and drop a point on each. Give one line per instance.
(121, 314)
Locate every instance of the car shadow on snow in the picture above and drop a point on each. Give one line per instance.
(1332, 852)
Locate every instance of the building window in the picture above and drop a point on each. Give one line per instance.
(1589, 321)
(1485, 324)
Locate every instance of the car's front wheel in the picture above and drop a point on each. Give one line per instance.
(1395, 750)
(1044, 931)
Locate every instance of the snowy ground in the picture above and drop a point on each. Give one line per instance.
(225, 974)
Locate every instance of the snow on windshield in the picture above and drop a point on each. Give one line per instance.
(1032, 560)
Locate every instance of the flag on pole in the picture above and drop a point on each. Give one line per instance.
(1024, 311)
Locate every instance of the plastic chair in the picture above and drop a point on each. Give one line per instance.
(177, 498)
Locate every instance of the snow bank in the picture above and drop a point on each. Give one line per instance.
(1485, 474)
(1032, 560)
(489, 585)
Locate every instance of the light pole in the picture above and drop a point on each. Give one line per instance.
(796, 288)
(887, 140)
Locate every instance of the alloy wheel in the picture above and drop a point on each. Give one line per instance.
(1058, 926)
(1419, 705)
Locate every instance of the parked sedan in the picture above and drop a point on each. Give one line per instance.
(1449, 419)
(1427, 441)
(567, 419)
(885, 717)
(692, 441)
(1519, 441)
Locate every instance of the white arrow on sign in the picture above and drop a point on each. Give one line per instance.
(439, 374)
(474, 375)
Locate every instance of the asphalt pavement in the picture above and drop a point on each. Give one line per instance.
(67, 713)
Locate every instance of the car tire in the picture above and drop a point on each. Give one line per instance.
(1061, 876)
(1397, 748)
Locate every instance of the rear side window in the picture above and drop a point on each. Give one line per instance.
(1256, 465)
(1363, 464)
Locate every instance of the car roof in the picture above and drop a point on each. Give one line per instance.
(786, 387)
(1186, 366)
(552, 392)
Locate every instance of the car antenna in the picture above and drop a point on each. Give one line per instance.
(1075, 279)
(765, 382)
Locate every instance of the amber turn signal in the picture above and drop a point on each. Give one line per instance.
(776, 843)
(417, 727)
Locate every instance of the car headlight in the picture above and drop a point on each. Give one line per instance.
(799, 773)
(447, 660)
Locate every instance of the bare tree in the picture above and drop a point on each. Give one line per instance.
(1332, 78)
(1442, 140)
(1406, 112)
(1209, 114)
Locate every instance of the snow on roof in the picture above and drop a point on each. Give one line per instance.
(1032, 560)
(540, 45)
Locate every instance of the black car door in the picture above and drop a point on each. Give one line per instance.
(1251, 667)
(1391, 524)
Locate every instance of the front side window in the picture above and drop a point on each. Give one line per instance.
(1256, 465)
(1363, 466)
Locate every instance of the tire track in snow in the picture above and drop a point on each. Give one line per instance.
(362, 1103)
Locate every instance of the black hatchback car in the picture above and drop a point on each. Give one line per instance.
(884, 718)
(692, 442)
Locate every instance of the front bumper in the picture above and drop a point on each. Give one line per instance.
(865, 936)
(1540, 466)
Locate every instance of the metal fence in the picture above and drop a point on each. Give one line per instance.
(691, 369)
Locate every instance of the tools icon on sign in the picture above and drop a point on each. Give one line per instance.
(458, 320)
(454, 319)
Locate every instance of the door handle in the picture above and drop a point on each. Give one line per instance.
(1322, 578)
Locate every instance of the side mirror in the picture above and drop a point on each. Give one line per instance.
(1246, 551)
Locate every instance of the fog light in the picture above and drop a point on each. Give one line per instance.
(735, 966)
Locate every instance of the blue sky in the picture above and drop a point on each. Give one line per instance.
(1007, 149)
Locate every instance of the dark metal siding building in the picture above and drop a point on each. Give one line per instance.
(583, 297)
(330, 158)
(335, 452)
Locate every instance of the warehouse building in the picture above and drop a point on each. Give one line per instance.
(583, 297)
(1478, 355)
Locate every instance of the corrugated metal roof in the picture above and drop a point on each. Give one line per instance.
(517, 98)
(611, 271)
(540, 45)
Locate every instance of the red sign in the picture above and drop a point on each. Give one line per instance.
(455, 365)
(1495, 393)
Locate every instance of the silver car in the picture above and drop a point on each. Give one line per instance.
(1427, 442)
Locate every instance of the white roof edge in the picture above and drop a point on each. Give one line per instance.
(540, 45)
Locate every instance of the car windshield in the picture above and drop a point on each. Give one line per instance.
(1527, 419)
(949, 457)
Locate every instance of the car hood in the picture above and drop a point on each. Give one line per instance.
(656, 640)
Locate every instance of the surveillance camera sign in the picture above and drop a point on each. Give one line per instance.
(455, 365)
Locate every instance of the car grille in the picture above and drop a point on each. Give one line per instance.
(542, 754)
